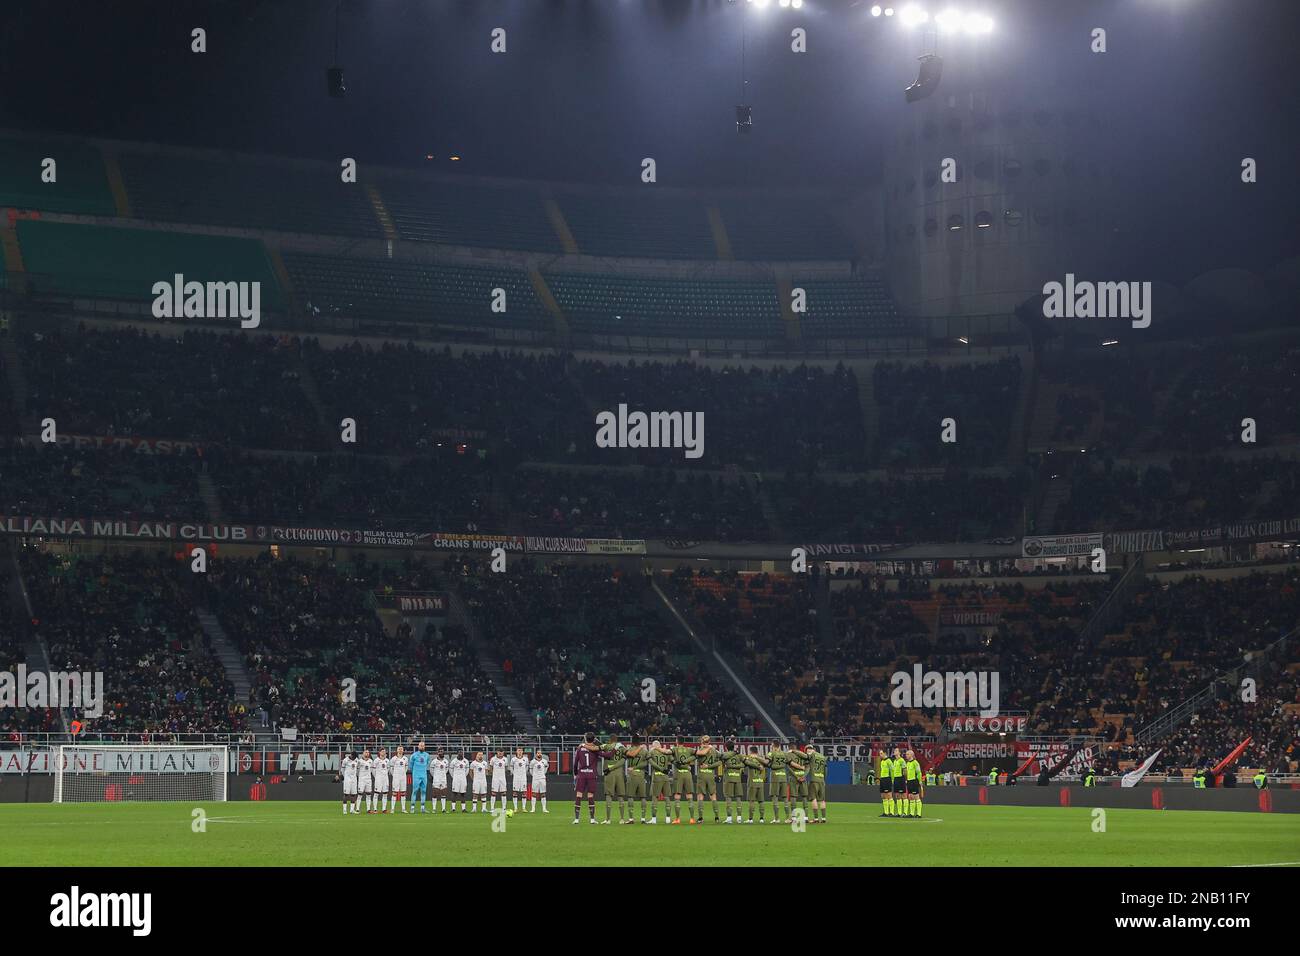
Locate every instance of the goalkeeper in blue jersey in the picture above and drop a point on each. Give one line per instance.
(419, 776)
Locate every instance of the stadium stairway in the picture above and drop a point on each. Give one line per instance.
(14, 372)
(211, 499)
(753, 702)
(870, 410)
(307, 382)
(226, 652)
(490, 664)
(1057, 491)
(36, 653)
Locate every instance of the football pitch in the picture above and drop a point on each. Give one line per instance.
(318, 834)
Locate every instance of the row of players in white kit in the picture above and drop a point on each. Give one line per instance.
(369, 777)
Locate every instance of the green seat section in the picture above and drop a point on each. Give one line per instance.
(111, 262)
(848, 308)
(248, 194)
(81, 185)
(415, 291)
(778, 228)
(671, 307)
(465, 214)
(657, 227)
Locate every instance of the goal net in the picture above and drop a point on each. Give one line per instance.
(100, 773)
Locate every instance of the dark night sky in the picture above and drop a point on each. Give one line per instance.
(591, 86)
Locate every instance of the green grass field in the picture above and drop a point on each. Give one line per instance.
(318, 834)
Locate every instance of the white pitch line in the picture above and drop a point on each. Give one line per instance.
(1240, 866)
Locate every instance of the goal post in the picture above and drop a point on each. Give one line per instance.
(141, 773)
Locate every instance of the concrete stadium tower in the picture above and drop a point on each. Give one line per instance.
(1038, 185)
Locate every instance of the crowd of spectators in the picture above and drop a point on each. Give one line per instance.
(586, 652)
(131, 617)
(1186, 493)
(45, 480)
(307, 629)
(804, 418)
(199, 386)
(914, 399)
(637, 504)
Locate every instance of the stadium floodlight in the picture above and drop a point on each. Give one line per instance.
(797, 4)
(912, 15)
(889, 11)
(977, 24)
(876, 11)
(783, 3)
(949, 19)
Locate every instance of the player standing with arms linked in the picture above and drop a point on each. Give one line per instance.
(584, 777)
(615, 780)
(706, 778)
(661, 784)
(637, 758)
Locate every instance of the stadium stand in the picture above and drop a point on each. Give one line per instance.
(777, 227)
(469, 213)
(579, 642)
(433, 295)
(104, 261)
(81, 185)
(193, 385)
(848, 308)
(667, 306)
(304, 628)
(914, 399)
(131, 617)
(117, 482)
(247, 192)
(663, 226)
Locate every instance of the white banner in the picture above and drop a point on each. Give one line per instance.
(1133, 776)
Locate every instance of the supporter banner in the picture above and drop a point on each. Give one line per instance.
(969, 617)
(1051, 754)
(614, 546)
(1131, 542)
(71, 527)
(477, 542)
(460, 434)
(556, 545)
(1060, 545)
(141, 446)
(66, 527)
(965, 751)
(89, 759)
(413, 602)
(840, 550)
(973, 724)
(680, 544)
(342, 536)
